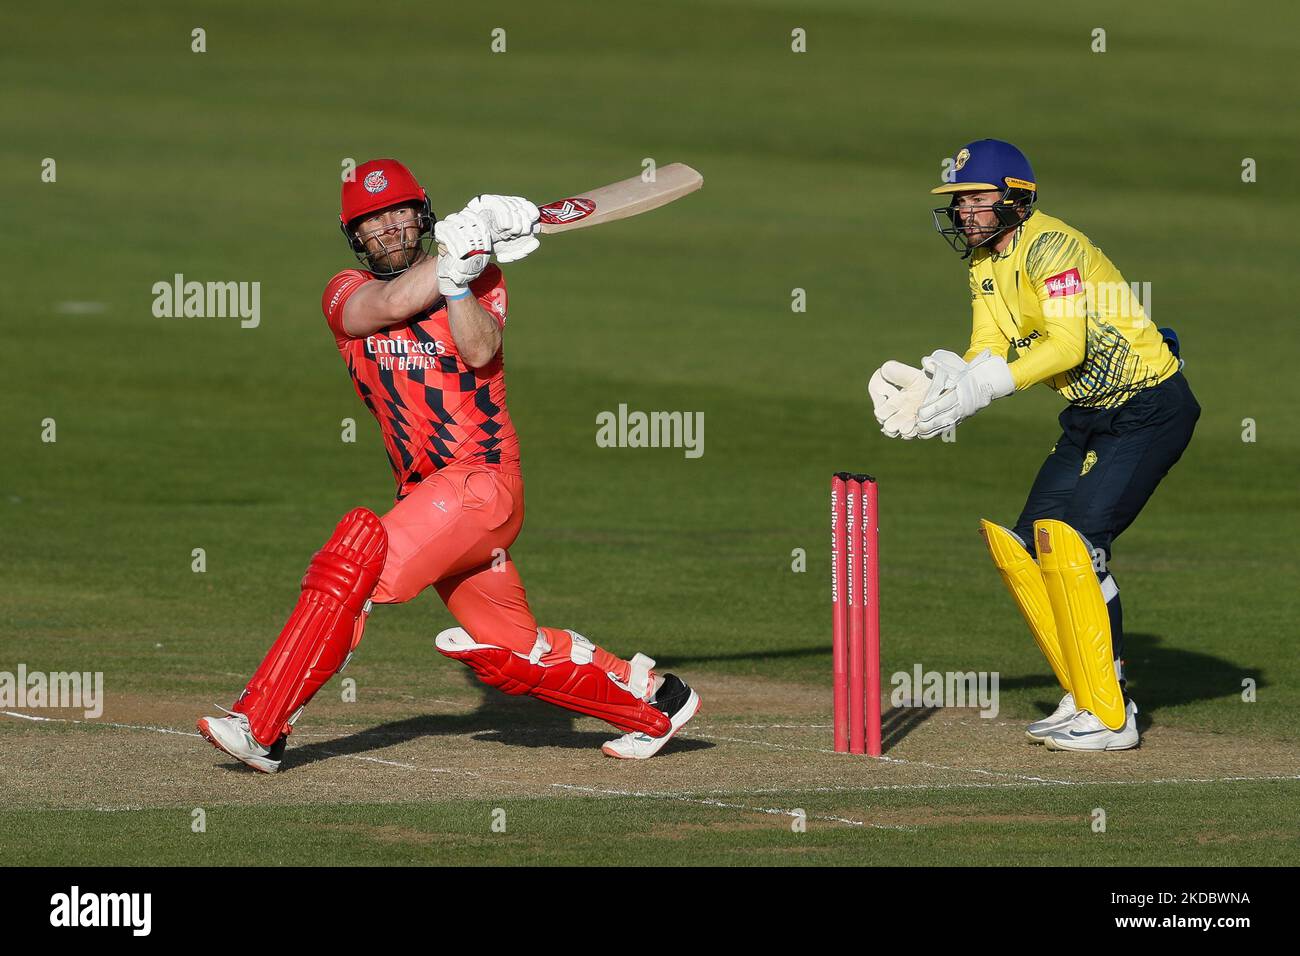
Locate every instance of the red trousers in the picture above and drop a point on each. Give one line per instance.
(454, 531)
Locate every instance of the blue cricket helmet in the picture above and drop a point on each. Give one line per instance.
(982, 166)
(989, 164)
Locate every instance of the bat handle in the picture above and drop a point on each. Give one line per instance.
(442, 251)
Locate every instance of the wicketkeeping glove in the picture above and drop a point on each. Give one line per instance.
(897, 391)
(957, 395)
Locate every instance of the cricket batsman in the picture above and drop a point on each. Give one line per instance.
(1048, 306)
(420, 329)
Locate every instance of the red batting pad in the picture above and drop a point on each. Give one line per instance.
(323, 628)
(585, 688)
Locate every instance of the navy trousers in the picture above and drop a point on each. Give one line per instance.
(1105, 466)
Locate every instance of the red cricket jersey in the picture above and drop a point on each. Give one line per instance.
(432, 408)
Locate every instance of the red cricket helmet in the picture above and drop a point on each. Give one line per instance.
(375, 185)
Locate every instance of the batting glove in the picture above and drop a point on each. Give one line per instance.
(512, 221)
(464, 248)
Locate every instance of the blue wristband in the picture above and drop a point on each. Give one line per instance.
(460, 296)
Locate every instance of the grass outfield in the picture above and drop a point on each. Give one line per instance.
(176, 434)
(981, 828)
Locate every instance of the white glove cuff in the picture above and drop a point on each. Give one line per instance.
(996, 374)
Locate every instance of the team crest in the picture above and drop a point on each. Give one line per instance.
(963, 155)
(375, 181)
(1089, 460)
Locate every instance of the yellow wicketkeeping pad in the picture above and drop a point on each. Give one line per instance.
(1082, 624)
(1024, 580)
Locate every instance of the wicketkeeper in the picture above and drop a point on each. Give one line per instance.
(1048, 306)
(420, 332)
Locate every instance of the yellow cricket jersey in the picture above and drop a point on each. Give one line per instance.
(1073, 321)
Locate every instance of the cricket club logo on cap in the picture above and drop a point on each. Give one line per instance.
(375, 181)
(960, 159)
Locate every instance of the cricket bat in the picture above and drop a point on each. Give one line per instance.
(620, 200)
(628, 197)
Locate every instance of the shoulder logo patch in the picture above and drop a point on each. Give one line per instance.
(1064, 283)
(986, 286)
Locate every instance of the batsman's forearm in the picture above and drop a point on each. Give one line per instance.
(377, 305)
(414, 291)
(475, 329)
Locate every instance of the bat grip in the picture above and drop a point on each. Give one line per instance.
(442, 251)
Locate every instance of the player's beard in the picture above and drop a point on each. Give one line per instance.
(978, 235)
(977, 232)
(389, 254)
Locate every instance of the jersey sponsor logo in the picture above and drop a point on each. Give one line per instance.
(1027, 341)
(393, 354)
(1064, 283)
(389, 345)
(987, 286)
(375, 181)
(567, 210)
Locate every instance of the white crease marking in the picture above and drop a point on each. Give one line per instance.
(775, 811)
(884, 759)
(1021, 780)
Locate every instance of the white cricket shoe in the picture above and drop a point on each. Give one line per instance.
(231, 736)
(1064, 713)
(1087, 732)
(676, 699)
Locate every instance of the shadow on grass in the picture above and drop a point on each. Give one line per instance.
(1158, 676)
(897, 722)
(671, 661)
